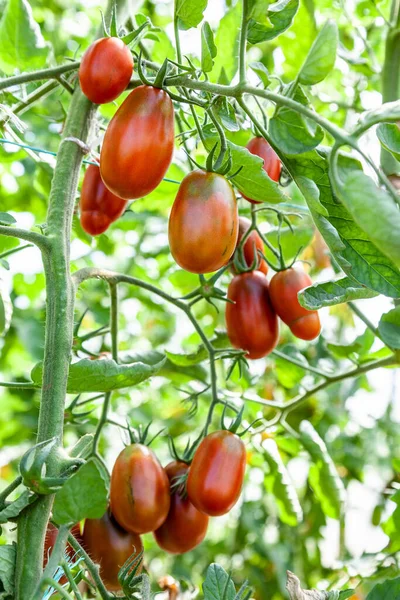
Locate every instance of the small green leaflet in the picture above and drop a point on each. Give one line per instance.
(279, 17)
(8, 556)
(226, 113)
(331, 293)
(22, 45)
(14, 508)
(218, 585)
(190, 12)
(6, 219)
(208, 48)
(392, 526)
(102, 375)
(389, 136)
(227, 42)
(220, 341)
(84, 495)
(261, 70)
(389, 590)
(389, 328)
(291, 241)
(356, 350)
(289, 375)
(321, 58)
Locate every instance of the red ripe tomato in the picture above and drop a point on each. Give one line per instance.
(110, 546)
(272, 165)
(251, 245)
(50, 540)
(98, 206)
(139, 143)
(203, 225)
(185, 527)
(251, 321)
(216, 473)
(283, 289)
(106, 69)
(139, 492)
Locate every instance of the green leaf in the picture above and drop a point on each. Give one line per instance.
(291, 241)
(226, 113)
(22, 45)
(331, 293)
(218, 585)
(12, 510)
(6, 219)
(83, 496)
(392, 526)
(389, 590)
(169, 369)
(389, 328)
(208, 48)
(261, 70)
(389, 136)
(190, 12)
(8, 557)
(321, 58)
(359, 258)
(227, 42)
(292, 132)
(358, 349)
(102, 375)
(279, 17)
(323, 476)
(374, 210)
(6, 308)
(289, 375)
(278, 483)
(219, 342)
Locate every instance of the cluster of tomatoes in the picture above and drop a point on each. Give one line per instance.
(174, 502)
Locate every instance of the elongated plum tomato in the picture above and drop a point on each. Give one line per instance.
(139, 143)
(185, 527)
(216, 473)
(251, 321)
(139, 492)
(110, 546)
(203, 225)
(284, 288)
(98, 206)
(252, 245)
(106, 69)
(272, 165)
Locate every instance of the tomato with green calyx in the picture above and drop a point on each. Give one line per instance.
(106, 70)
(216, 474)
(252, 246)
(203, 225)
(139, 492)
(185, 527)
(272, 164)
(284, 287)
(139, 143)
(110, 546)
(98, 206)
(251, 321)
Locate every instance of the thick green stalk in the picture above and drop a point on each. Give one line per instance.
(52, 73)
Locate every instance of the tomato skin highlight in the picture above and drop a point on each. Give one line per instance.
(203, 224)
(251, 322)
(106, 70)
(98, 206)
(272, 164)
(216, 473)
(185, 527)
(139, 143)
(284, 286)
(253, 242)
(110, 546)
(139, 491)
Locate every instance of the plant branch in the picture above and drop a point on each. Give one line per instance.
(52, 73)
(91, 567)
(29, 236)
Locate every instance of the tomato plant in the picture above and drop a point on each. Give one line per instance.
(139, 143)
(100, 82)
(98, 206)
(185, 526)
(139, 491)
(203, 225)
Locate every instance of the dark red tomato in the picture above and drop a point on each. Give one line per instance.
(98, 206)
(272, 165)
(203, 225)
(139, 143)
(110, 546)
(251, 321)
(106, 69)
(139, 492)
(216, 473)
(284, 288)
(185, 527)
(50, 540)
(252, 245)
